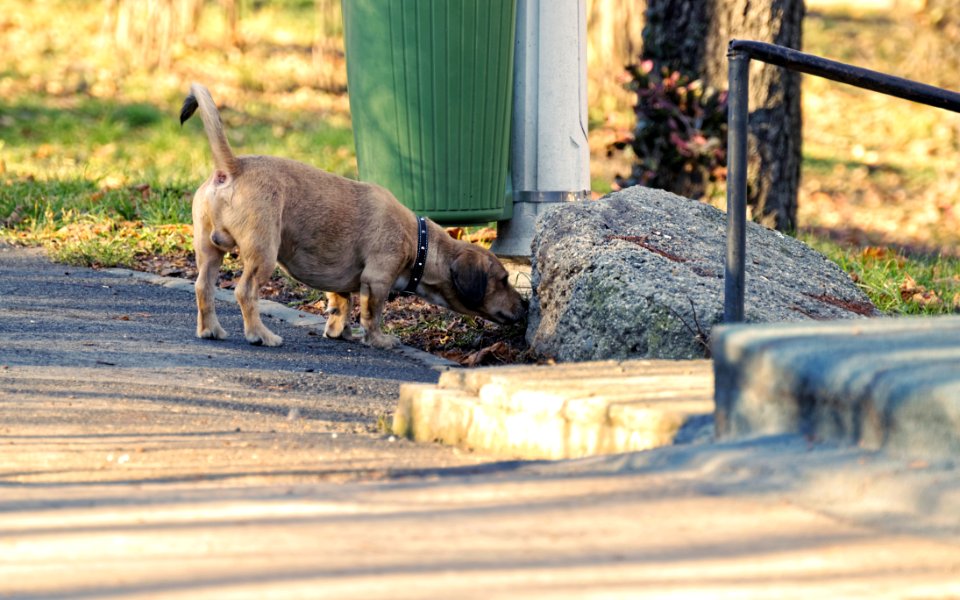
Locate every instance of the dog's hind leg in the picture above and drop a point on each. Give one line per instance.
(209, 259)
(257, 268)
(373, 295)
(339, 312)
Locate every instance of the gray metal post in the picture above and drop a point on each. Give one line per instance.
(549, 156)
(737, 115)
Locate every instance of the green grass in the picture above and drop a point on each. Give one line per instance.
(44, 204)
(885, 276)
(601, 186)
(140, 142)
(101, 252)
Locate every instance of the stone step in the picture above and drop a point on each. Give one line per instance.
(562, 411)
(891, 384)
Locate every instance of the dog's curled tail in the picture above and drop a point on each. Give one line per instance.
(223, 157)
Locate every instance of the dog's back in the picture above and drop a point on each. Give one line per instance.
(330, 226)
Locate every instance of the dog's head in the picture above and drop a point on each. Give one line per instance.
(482, 286)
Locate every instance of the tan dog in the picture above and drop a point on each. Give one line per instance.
(331, 233)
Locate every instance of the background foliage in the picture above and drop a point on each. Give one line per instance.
(680, 136)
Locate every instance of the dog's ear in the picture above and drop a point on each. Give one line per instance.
(469, 279)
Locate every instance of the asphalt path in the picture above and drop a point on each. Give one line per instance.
(95, 354)
(137, 461)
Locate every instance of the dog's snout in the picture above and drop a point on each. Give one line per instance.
(509, 317)
(522, 309)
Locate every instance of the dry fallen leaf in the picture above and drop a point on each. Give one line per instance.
(911, 291)
(908, 287)
(487, 234)
(876, 252)
(43, 151)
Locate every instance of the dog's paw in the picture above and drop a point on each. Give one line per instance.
(211, 333)
(264, 338)
(335, 330)
(381, 340)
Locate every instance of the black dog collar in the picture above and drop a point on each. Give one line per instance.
(420, 263)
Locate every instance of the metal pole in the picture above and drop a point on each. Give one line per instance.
(737, 107)
(549, 153)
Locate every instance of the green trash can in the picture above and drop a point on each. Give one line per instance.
(431, 94)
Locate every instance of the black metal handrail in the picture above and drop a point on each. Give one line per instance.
(739, 53)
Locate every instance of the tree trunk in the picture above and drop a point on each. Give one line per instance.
(614, 40)
(691, 36)
(615, 31)
(147, 30)
(934, 55)
(233, 21)
(674, 34)
(775, 120)
(328, 45)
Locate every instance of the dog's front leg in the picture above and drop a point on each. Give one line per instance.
(255, 271)
(339, 312)
(209, 259)
(373, 295)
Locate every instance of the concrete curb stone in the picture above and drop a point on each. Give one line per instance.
(562, 411)
(891, 383)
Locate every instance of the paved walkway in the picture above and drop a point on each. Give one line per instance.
(139, 462)
(734, 521)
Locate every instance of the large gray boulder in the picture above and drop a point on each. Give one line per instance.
(639, 273)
